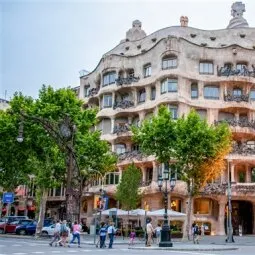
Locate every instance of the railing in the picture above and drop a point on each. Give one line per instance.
(145, 183)
(244, 188)
(228, 71)
(229, 98)
(123, 104)
(93, 92)
(129, 155)
(243, 149)
(126, 81)
(121, 128)
(214, 189)
(235, 122)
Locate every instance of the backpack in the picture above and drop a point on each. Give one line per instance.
(196, 230)
(63, 229)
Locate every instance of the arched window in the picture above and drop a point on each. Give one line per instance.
(120, 148)
(169, 62)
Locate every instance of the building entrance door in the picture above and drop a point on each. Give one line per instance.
(242, 217)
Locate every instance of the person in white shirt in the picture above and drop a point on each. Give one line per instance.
(56, 236)
(111, 232)
(149, 231)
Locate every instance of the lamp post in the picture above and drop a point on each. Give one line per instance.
(230, 238)
(165, 240)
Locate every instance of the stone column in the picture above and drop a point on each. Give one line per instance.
(141, 116)
(134, 91)
(143, 169)
(120, 172)
(237, 115)
(113, 147)
(232, 167)
(247, 173)
(112, 124)
(113, 99)
(147, 91)
(128, 146)
(130, 120)
(221, 228)
(155, 171)
(100, 105)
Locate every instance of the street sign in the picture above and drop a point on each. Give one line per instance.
(8, 197)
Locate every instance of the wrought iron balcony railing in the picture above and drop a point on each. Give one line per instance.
(126, 81)
(242, 98)
(229, 71)
(241, 122)
(93, 92)
(121, 128)
(243, 149)
(129, 155)
(214, 189)
(123, 104)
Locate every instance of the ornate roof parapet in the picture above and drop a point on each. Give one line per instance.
(136, 32)
(184, 20)
(237, 10)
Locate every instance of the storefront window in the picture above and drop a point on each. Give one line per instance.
(202, 206)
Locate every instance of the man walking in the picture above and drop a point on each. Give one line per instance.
(111, 232)
(56, 236)
(149, 231)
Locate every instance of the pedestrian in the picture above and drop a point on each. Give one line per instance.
(149, 231)
(56, 235)
(132, 237)
(158, 232)
(195, 233)
(111, 232)
(76, 229)
(64, 231)
(102, 234)
(202, 229)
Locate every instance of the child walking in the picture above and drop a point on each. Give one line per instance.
(132, 237)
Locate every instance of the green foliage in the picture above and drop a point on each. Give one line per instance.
(157, 136)
(128, 189)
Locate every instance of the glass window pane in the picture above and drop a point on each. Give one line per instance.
(172, 85)
(237, 92)
(194, 91)
(163, 87)
(211, 92)
(153, 93)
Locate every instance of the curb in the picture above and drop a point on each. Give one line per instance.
(184, 249)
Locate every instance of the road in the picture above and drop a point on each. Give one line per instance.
(16, 246)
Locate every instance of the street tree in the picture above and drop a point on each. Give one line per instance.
(197, 148)
(60, 117)
(128, 193)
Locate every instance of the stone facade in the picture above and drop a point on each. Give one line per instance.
(184, 68)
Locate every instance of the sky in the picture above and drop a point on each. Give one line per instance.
(50, 41)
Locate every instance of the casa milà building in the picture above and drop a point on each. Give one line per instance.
(211, 71)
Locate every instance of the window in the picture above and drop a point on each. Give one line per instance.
(206, 68)
(109, 78)
(240, 66)
(174, 111)
(153, 93)
(86, 91)
(251, 144)
(237, 92)
(120, 148)
(211, 92)
(107, 101)
(147, 70)
(135, 147)
(253, 174)
(241, 176)
(202, 113)
(169, 85)
(194, 90)
(202, 206)
(141, 96)
(252, 94)
(169, 62)
(226, 116)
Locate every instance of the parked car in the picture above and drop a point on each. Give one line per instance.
(48, 231)
(9, 219)
(10, 227)
(30, 228)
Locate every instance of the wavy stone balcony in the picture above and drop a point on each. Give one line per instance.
(228, 71)
(123, 104)
(121, 128)
(126, 81)
(235, 123)
(235, 98)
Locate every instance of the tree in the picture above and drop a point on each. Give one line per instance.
(128, 193)
(199, 148)
(58, 118)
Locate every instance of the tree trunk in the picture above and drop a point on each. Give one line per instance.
(43, 200)
(189, 210)
(72, 189)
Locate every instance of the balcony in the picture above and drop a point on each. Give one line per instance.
(126, 81)
(243, 149)
(93, 92)
(234, 122)
(236, 98)
(244, 188)
(121, 128)
(214, 189)
(123, 104)
(130, 155)
(229, 71)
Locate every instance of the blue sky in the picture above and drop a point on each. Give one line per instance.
(50, 41)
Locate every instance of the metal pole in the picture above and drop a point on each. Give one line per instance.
(230, 238)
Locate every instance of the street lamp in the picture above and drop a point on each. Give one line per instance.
(230, 238)
(166, 230)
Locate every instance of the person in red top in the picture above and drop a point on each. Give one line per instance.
(76, 234)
